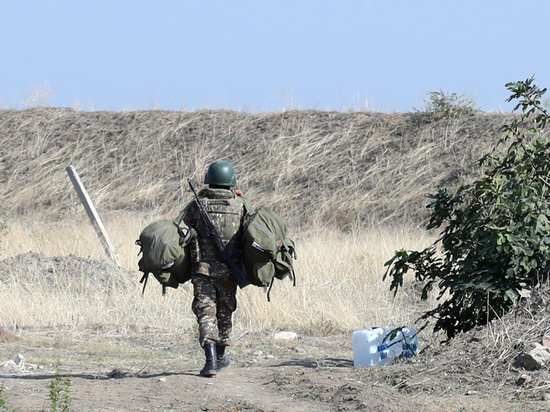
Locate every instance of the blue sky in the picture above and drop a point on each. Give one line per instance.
(263, 56)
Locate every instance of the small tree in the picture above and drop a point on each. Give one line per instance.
(495, 236)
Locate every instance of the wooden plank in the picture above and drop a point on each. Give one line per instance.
(92, 214)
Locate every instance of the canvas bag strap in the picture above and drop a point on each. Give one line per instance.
(182, 214)
(248, 208)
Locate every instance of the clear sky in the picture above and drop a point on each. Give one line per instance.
(263, 56)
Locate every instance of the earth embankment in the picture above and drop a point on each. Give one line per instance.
(334, 168)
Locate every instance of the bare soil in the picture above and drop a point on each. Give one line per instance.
(265, 375)
(129, 368)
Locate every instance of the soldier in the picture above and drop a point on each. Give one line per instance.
(214, 285)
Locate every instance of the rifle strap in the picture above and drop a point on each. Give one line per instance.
(143, 280)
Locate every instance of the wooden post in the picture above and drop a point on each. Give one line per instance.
(92, 214)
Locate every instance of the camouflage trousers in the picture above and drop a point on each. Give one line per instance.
(213, 305)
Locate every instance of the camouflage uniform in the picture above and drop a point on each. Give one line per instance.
(213, 284)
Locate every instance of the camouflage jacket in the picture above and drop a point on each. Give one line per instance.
(226, 210)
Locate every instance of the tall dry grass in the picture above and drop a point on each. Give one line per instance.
(345, 170)
(338, 179)
(339, 281)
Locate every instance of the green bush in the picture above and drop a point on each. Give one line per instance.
(495, 232)
(3, 401)
(59, 388)
(443, 106)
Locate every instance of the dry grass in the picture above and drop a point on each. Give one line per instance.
(483, 359)
(339, 284)
(338, 178)
(333, 169)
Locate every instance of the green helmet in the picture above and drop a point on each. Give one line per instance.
(220, 173)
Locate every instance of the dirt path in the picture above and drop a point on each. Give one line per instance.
(289, 386)
(309, 374)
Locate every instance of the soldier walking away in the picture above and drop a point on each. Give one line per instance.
(214, 284)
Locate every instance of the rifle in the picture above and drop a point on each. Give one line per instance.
(237, 272)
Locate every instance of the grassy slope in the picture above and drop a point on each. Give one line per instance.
(328, 168)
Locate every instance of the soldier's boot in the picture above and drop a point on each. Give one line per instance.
(221, 360)
(210, 367)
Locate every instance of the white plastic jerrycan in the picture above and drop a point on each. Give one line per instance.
(370, 349)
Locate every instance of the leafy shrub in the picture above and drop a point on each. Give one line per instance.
(59, 388)
(442, 106)
(495, 238)
(3, 401)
